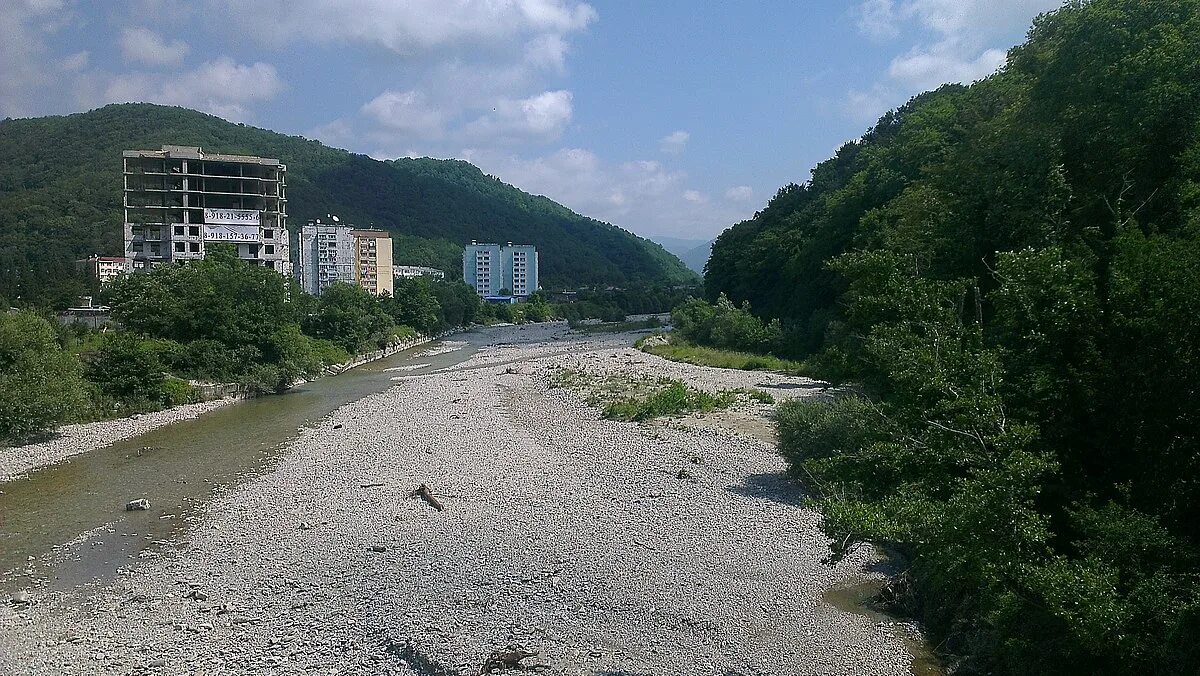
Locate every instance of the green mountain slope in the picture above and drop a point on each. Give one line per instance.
(60, 199)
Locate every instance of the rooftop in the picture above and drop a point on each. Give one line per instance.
(197, 153)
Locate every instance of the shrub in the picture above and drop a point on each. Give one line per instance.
(176, 392)
(40, 383)
(675, 399)
(815, 429)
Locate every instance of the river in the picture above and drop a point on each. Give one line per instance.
(66, 524)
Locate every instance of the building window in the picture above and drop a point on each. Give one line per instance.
(179, 230)
(268, 234)
(194, 230)
(139, 246)
(195, 247)
(270, 249)
(179, 247)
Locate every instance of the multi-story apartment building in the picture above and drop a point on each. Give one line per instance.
(481, 268)
(519, 267)
(373, 261)
(180, 199)
(105, 269)
(326, 256)
(336, 252)
(491, 268)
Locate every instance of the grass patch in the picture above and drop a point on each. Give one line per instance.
(677, 349)
(674, 399)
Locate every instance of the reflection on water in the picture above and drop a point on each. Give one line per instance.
(176, 467)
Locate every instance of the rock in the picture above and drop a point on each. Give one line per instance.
(156, 664)
(378, 548)
(139, 505)
(21, 598)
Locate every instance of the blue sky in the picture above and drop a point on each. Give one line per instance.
(667, 118)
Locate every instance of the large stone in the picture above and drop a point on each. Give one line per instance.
(139, 505)
(20, 598)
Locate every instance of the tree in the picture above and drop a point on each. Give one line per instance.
(40, 383)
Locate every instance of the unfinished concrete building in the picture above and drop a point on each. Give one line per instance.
(180, 200)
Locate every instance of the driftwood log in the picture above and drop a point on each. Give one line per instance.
(425, 494)
(507, 658)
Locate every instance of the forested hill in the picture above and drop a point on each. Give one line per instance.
(1010, 271)
(60, 199)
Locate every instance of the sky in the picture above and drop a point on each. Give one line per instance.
(667, 118)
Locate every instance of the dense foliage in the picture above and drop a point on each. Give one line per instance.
(216, 320)
(60, 200)
(40, 384)
(1010, 270)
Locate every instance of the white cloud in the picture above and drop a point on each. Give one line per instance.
(221, 87)
(928, 68)
(406, 112)
(336, 133)
(543, 116)
(877, 19)
(740, 193)
(674, 143)
(408, 28)
(76, 62)
(954, 41)
(23, 27)
(644, 196)
(144, 46)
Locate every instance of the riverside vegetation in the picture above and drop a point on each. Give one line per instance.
(216, 320)
(221, 320)
(1009, 272)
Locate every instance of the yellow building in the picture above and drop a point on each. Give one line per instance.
(373, 261)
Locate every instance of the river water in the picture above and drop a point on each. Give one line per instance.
(177, 467)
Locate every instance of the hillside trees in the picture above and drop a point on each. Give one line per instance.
(1009, 270)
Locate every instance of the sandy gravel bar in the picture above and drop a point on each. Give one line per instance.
(604, 547)
(75, 439)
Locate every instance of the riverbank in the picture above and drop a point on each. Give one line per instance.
(71, 440)
(604, 547)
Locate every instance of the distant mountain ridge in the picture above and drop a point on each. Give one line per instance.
(693, 252)
(60, 200)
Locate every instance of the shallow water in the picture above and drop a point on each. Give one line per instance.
(861, 598)
(177, 467)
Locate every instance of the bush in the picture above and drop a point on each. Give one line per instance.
(40, 383)
(675, 399)
(816, 429)
(726, 325)
(176, 392)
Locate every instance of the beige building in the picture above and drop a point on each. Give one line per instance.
(105, 269)
(373, 261)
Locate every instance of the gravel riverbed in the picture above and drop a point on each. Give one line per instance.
(603, 547)
(72, 440)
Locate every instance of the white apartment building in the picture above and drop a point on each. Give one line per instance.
(332, 252)
(326, 256)
(490, 268)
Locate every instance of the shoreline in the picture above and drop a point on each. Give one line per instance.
(75, 439)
